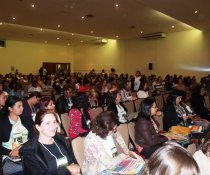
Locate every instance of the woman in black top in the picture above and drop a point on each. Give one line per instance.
(48, 153)
(174, 113)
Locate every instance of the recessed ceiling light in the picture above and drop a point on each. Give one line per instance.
(196, 11)
(1, 23)
(13, 18)
(141, 32)
(32, 5)
(41, 29)
(92, 31)
(83, 17)
(117, 36)
(58, 38)
(68, 44)
(45, 42)
(81, 41)
(116, 5)
(72, 34)
(172, 26)
(59, 25)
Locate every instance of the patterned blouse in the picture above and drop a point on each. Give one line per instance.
(75, 127)
(96, 156)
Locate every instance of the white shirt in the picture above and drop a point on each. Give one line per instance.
(137, 83)
(203, 162)
(142, 94)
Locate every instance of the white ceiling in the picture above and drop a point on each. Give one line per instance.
(125, 21)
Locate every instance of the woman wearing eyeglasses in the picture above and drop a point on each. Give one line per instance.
(100, 151)
(146, 128)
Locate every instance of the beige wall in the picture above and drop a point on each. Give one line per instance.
(27, 57)
(190, 48)
(169, 55)
(100, 56)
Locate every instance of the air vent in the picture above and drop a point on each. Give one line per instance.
(157, 35)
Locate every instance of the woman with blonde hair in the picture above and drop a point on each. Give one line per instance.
(171, 159)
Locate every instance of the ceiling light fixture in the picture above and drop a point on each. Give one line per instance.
(1, 23)
(72, 34)
(81, 41)
(32, 5)
(172, 27)
(116, 5)
(45, 42)
(117, 36)
(83, 17)
(41, 29)
(58, 38)
(13, 18)
(59, 25)
(91, 31)
(141, 32)
(195, 11)
(68, 44)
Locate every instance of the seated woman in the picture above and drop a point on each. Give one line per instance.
(173, 112)
(48, 153)
(2, 103)
(202, 156)
(146, 128)
(100, 151)
(13, 133)
(79, 116)
(116, 106)
(46, 103)
(171, 159)
(143, 90)
(197, 102)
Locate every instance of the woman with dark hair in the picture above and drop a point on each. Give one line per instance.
(100, 151)
(48, 153)
(13, 133)
(197, 102)
(46, 103)
(116, 106)
(174, 113)
(172, 159)
(146, 128)
(79, 116)
(143, 91)
(2, 103)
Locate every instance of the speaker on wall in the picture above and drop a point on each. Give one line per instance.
(150, 66)
(2, 44)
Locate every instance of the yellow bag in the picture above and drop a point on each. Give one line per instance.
(184, 131)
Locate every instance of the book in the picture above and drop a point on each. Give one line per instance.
(196, 128)
(129, 166)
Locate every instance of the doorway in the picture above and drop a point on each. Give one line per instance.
(59, 68)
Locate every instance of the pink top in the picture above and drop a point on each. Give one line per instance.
(75, 127)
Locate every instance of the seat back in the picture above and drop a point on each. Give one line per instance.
(206, 100)
(191, 148)
(123, 130)
(95, 112)
(65, 122)
(130, 107)
(131, 131)
(165, 96)
(78, 149)
(159, 101)
(137, 103)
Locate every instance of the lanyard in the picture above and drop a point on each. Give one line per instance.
(52, 153)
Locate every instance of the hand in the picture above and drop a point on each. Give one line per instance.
(74, 169)
(159, 113)
(15, 152)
